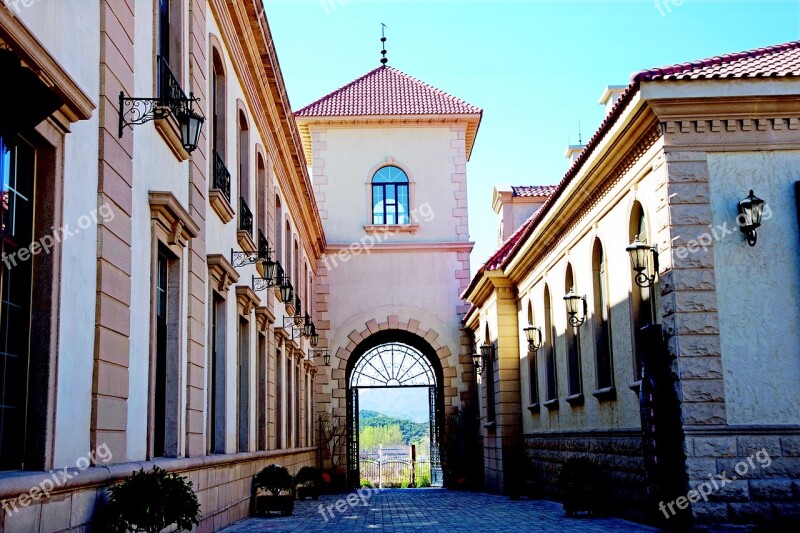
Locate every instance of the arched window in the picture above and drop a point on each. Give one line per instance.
(550, 347)
(218, 95)
(261, 196)
(390, 196)
(220, 177)
(573, 344)
(640, 297)
(288, 264)
(533, 372)
(278, 230)
(243, 140)
(602, 319)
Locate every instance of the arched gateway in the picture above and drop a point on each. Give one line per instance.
(394, 359)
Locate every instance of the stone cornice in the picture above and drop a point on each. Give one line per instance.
(389, 247)
(641, 134)
(471, 123)
(77, 104)
(221, 271)
(167, 211)
(247, 299)
(264, 317)
(248, 41)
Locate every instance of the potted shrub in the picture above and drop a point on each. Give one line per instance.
(151, 501)
(580, 483)
(277, 481)
(307, 482)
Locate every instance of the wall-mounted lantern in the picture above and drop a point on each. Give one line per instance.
(534, 337)
(640, 253)
(574, 307)
(749, 219)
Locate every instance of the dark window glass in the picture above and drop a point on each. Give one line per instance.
(390, 196)
(17, 161)
(602, 319)
(161, 355)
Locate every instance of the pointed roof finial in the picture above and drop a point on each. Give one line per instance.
(580, 138)
(383, 41)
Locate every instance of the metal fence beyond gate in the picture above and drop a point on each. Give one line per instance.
(387, 473)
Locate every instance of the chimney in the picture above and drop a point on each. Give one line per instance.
(611, 96)
(574, 151)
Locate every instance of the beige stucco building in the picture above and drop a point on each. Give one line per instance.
(679, 149)
(144, 331)
(389, 156)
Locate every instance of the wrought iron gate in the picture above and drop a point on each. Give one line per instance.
(390, 366)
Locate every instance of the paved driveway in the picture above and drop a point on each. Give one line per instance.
(430, 510)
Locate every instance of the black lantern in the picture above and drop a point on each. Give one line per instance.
(573, 302)
(323, 352)
(640, 253)
(534, 337)
(477, 362)
(314, 337)
(135, 111)
(308, 328)
(191, 123)
(269, 269)
(287, 291)
(749, 219)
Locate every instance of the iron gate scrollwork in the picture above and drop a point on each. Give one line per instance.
(389, 366)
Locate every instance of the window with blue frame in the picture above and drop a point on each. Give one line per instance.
(390, 196)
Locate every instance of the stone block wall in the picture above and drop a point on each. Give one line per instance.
(223, 484)
(618, 452)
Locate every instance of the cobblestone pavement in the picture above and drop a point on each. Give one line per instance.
(431, 510)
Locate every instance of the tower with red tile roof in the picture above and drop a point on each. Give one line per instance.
(389, 164)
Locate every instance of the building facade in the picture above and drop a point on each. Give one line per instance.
(715, 320)
(143, 322)
(389, 156)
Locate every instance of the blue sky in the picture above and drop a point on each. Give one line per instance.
(537, 68)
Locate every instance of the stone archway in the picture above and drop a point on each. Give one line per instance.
(394, 358)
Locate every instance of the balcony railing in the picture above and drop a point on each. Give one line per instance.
(222, 178)
(245, 217)
(170, 92)
(263, 247)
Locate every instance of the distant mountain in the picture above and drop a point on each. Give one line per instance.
(412, 431)
(409, 403)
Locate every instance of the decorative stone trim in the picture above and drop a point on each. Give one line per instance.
(77, 104)
(265, 318)
(648, 139)
(730, 125)
(167, 211)
(220, 205)
(245, 241)
(247, 299)
(170, 131)
(221, 271)
(373, 229)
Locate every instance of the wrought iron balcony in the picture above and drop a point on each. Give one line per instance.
(263, 247)
(222, 178)
(245, 217)
(170, 92)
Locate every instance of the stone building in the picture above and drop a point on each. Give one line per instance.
(678, 151)
(138, 328)
(389, 156)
